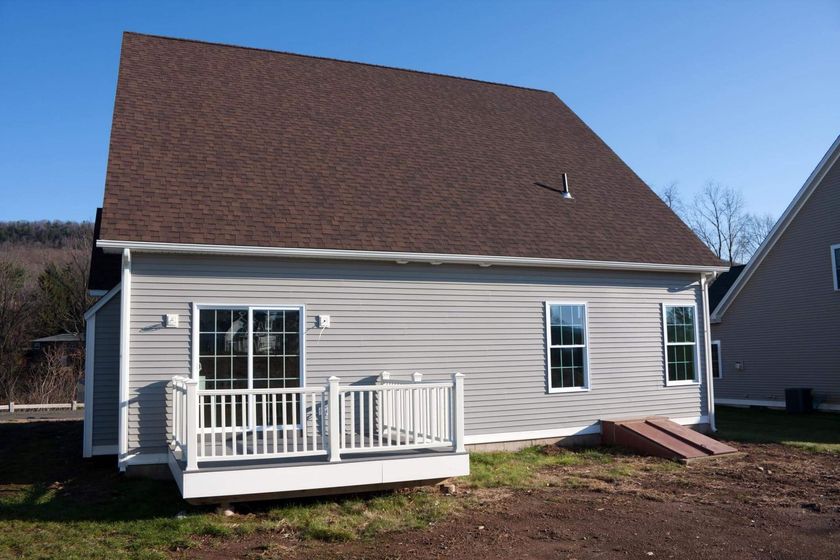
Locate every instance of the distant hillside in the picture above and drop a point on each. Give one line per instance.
(56, 234)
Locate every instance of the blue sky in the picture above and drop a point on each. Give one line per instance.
(745, 93)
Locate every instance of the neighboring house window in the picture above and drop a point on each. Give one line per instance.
(227, 361)
(680, 344)
(717, 364)
(835, 265)
(567, 347)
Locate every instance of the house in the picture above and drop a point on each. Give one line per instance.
(68, 342)
(326, 275)
(777, 326)
(62, 350)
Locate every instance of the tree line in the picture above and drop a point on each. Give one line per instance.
(50, 233)
(43, 291)
(719, 217)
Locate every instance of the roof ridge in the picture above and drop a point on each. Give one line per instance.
(331, 59)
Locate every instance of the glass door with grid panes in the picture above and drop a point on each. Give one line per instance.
(249, 348)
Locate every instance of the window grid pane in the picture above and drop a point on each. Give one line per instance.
(276, 343)
(222, 348)
(680, 343)
(567, 346)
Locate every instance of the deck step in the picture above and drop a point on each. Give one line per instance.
(661, 437)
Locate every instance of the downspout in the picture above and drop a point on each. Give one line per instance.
(707, 350)
(125, 327)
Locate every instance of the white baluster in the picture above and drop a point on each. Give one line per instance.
(334, 428)
(458, 412)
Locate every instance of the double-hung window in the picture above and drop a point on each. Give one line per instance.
(568, 361)
(835, 265)
(681, 364)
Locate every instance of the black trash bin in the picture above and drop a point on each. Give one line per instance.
(798, 401)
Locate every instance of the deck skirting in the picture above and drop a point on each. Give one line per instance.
(287, 480)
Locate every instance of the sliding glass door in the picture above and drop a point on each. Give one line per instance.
(250, 347)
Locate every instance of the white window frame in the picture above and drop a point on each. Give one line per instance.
(834, 264)
(250, 307)
(665, 344)
(719, 359)
(587, 385)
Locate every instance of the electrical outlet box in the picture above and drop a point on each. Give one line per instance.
(170, 320)
(322, 321)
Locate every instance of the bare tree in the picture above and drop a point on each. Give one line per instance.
(63, 297)
(670, 195)
(17, 300)
(717, 217)
(55, 376)
(757, 229)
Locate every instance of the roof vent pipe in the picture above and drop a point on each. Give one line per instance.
(566, 193)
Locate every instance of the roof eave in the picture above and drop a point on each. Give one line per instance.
(399, 257)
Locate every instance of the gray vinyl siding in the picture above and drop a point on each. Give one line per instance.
(487, 323)
(785, 323)
(106, 373)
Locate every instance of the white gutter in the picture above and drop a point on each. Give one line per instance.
(112, 246)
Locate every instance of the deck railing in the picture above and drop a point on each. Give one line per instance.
(225, 425)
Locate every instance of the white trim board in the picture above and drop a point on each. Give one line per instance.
(102, 301)
(587, 384)
(90, 357)
(770, 404)
(562, 432)
(400, 257)
(697, 380)
(816, 177)
(707, 353)
(344, 474)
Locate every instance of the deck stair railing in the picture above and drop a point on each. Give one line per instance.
(391, 415)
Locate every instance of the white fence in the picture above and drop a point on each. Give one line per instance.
(16, 407)
(224, 425)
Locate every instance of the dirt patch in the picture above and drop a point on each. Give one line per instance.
(773, 502)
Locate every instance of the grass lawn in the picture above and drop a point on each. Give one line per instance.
(54, 504)
(819, 431)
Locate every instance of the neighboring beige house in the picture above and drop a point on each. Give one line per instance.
(778, 325)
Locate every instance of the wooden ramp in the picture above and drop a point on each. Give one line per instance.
(660, 437)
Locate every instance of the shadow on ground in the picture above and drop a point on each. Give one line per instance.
(44, 477)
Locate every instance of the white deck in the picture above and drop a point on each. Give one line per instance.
(252, 480)
(256, 444)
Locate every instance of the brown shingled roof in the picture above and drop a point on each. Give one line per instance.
(215, 144)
